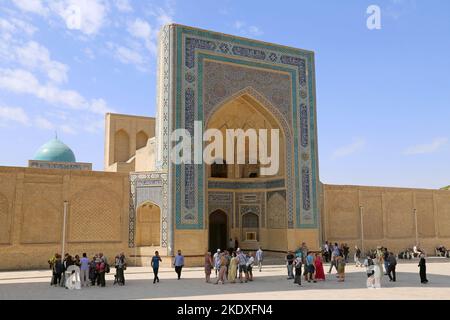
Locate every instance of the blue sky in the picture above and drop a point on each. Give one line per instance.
(383, 96)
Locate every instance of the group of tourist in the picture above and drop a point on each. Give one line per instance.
(312, 262)
(75, 272)
(231, 266)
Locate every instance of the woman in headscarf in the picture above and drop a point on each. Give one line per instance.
(232, 272)
(423, 269)
(208, 266)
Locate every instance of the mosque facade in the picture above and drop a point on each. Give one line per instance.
(143, 201)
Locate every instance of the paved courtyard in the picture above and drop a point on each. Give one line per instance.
(270, 284)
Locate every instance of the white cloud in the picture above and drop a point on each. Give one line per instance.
(88, 16)
(246, 30)
(432, 147)
(128, 56)
(89, 53)
(397, 8)
(43, 123)
(347, 150)
(123, 5)
(255, 31)
(24, 26)
(34, 6)
(164, 17)
(23, 82)
(67, 129)
(35, 56)
(141, 29)
(13, 25)
(13, 114)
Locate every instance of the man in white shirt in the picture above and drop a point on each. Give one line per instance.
(216, 259)
(259, 258)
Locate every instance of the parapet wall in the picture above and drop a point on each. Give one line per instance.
(388, 217)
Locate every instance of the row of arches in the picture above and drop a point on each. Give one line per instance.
(221, 169)
(148, 227)
(122, 152)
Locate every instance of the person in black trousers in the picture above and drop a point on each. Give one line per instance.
(423, 269)
(298, 270)
(392, 263)
(155, 265)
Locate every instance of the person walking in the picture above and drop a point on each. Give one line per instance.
(310, 268)
(178, 263)
(357, 257)
(334, 255)
(318, 263)
(326, 250)
(341, 268)
(232, 271)
(222, 269)
(216, 261)
(93, 270)
(250, 262)
(105, 269)
(289, 264)
(423, 269)
(304, 250)
(392, 263)
(259, 258)
(368, 263)
(228, 257)
(58, 270)
(298, 270)
(346, 250)
(51, 263)
(386, 260)
(242, 265)
(378, 267)
(84, 268)
(120, 265)
(208, 266)
(156, 259)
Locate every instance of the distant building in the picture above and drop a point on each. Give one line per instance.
(56, 155)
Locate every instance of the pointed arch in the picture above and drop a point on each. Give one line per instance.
(148, 224)
(141, 139)
(121, 146)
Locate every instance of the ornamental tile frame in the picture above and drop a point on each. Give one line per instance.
(148, 187)
(182, 52)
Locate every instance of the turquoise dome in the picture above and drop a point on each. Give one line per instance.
(55, 151)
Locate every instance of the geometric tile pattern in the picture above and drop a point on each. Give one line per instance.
(180, 98)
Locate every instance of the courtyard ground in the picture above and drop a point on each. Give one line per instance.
(270, 284)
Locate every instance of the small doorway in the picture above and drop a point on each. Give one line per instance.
(217, 230)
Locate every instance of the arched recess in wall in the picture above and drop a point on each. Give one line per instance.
(243, 111)
(250, 227)
(141, 139)
(148, 225)
(122, 146)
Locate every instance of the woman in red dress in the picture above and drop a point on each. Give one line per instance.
(320, 274)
